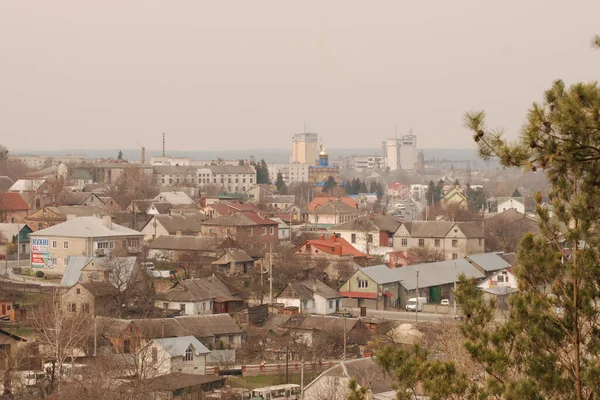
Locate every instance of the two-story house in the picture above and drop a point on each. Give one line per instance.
(332, 213)
(369, 232)
(246, 228)
(452, 240)
(183, 354)
(172, 224)
(311, 297)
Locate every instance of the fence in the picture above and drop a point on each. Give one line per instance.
(271, 369)
(10, 286)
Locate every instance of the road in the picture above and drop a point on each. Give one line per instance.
(401, 315)
(6, 269)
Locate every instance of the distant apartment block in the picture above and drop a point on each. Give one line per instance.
(365, 163)
(305, 148)
(187, 162)
(401, 153)
(38, 162)
(292, 173)
(229, 178)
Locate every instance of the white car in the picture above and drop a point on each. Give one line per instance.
(445, 302)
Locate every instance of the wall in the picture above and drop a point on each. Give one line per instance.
(196, 366)
(289, 302)
(84, 297)
(151, 233)
(322, 305)
(191, 308)
(162, 365)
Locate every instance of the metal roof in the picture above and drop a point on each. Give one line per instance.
(85, 227)
(177, 346)
(489, 262)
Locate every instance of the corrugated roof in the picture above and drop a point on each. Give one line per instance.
(239, 219)
(374, 222)
(77, 198)
(439, 229)
(179, 223)
(85, 227)
(27, 185)
(320, 288)
(381, 274)
(366, 371)
(235, 255)
(319, 201)
(489, 262)
(334, 207)
(177, 346)
(161, 207)
(79, 211)
(75, 264)
(175, 198)
(8, 231)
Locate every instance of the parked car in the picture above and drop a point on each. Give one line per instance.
(416, 304)
(445, 302)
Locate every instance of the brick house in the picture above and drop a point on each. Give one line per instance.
(94, 298)
(13, 209)
(244, 227)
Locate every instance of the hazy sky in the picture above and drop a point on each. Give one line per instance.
(248, 74)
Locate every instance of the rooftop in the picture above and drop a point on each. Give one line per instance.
(176, 346)
(12, 202)
(199, 289)
(187, 243)
(239, 219)
(85, 227)
(373, 222)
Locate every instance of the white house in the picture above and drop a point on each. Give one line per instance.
(285, 231)
(183, 354)
(501, 279)
(311, 297)
(506, 203)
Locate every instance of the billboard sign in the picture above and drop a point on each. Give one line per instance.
(40, 253)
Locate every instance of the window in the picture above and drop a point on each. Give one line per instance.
(264, 231)
(72, 307)
(210, 230)
(126, 346)
(251, 232)
(54, 245)
(189, 355)
(454, 256)
(500, 278)
(166, 305)
(330, 303)
(404, 242)
(437, 242)
(182, 308)
(78, 291)
(421, 242)
(363, 284)
(154, 355)
(85, 307)
(353, 238)
(272, 231)
(102, 245)
(454, 243)
(65, 245)
(369, 238)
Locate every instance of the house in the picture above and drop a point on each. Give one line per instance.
(215, 210)
(503, 231)
(183, 354)
(455, 197)
(508, 203)
(200, 296)
(333, 383)
(284, 231)
(307, 329)
(322, 200)
(258, 193)
(488, 263)
(174, 224)
(451, 240)
(281, 202)
(83, 199)
(13, 208)
(6, 307)
(178, 384)
(115, 270)
(176, 198)
(35, 192)
(311, 297)
(51, 247)
(376, 287)
(8, 345)
(128, 336)
(500, 286)
(374, 230)
(336, 252)
(234, 262)
(14, 238)
(244, 227)
(110, 204)
(5, 183)
(49, 216)
(80, 178)
(170, 248)
(332, 213)
(94, 298)
(157, 208)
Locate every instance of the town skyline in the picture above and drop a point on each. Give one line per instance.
(82, 76)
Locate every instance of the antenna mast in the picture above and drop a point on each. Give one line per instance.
(163, 144)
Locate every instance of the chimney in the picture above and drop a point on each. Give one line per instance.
(314, 285)
(107, 221)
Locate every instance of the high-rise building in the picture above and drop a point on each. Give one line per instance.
(392, 154)
(305, 148)
(408, 152)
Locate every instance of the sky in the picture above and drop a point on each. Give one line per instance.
(233, 75)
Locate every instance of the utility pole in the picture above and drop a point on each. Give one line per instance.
(287, 365)
(454, 293)
(417, 305)
(18, 248)
(344, 357)
(302, 378)
(270, 274)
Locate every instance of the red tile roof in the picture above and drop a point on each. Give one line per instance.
(12, 202)
(336, 246)
(319, 201)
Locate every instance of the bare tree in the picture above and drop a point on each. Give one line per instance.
(427, 254)
(61, 333)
